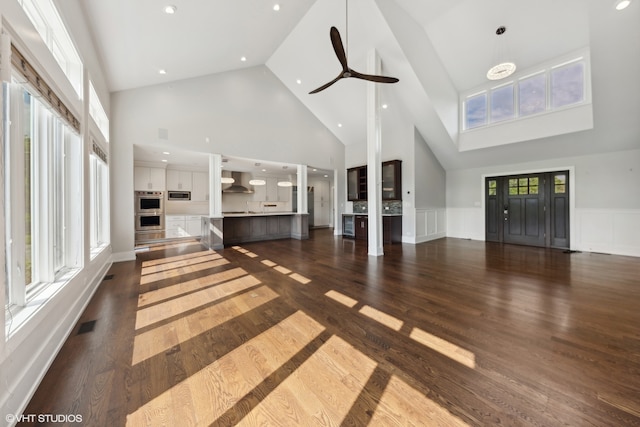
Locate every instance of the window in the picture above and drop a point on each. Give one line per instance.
(46, 19)
(476, 111)
(567, 84)
(532, 94)
(99, 204)
(502, 105)
(43, 166)
(97, 112)
(523, 186)
(545, 90)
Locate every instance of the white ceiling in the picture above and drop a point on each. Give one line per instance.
(136, 39)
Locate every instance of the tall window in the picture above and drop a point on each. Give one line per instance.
(97, 113)
(42, 231)
(99, 189)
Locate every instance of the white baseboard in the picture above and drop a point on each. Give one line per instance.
(123, 256)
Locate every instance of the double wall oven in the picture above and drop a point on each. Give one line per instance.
(149, 215)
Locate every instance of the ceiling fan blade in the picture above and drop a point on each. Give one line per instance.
(336, 41)
(324, 86)
(373, 78)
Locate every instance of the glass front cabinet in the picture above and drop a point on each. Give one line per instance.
(391, 181)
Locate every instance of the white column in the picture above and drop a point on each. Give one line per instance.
(215, 185)
(374, 165)
(302, 190)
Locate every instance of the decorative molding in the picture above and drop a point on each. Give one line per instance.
(38, 84)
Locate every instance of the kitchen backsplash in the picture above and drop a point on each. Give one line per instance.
(388, 207)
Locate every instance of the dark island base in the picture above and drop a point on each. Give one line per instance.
(235, 230)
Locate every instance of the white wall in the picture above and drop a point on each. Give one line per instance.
(607, 200)
(430, 193)
(246, 113)
(40, 329)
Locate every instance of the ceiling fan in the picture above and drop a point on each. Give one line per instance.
(346, 72)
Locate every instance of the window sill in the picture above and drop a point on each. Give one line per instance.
(94, 252)
(18, 316)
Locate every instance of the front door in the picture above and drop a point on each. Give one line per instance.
(530, 209)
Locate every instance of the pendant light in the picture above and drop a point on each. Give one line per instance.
(503, 68)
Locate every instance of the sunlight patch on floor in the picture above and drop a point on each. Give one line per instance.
(341, 298)
(162, 338)
(384, 318)
(402, 405)
(212, 391)
(320, 392)
(173, 259)
(181, 288)
(188, 302)
(444, 347)
(179, 271)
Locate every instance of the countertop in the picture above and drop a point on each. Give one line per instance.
(252, 214)
(367, 214)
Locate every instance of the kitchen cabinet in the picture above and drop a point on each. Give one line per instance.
(361, 224)
(271, 192)
(193, 225)
(146, 178)
(357, 226)
(182, 226)
(200, 190)
(392, 180)
(357, 183)
(179, 180)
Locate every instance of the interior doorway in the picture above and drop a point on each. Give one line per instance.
(529, 209)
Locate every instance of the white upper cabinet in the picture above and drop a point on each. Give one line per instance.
(200, 190)
(179, 180)
(149, 179)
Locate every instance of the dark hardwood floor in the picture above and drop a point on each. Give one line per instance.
(450, 332)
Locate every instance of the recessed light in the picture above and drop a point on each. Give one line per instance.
(299, 81)
(385, 106)
(315, 170)
(162, 71)
(276, 7)
(622, 4)
(264, 170)
(339, 125)
(165, 160)
(326, 176)
(243, 59)
(166, 152)
(170, 9)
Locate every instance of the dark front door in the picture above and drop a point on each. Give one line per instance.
(523, 210)
(530, 209)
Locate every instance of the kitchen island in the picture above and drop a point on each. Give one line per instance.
(242, 227)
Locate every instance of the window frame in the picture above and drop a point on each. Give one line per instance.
(581, 56)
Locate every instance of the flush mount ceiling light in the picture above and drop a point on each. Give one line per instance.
(622, 4)
(503, 68)
(170, 9)
(257, 182)
(227, 180)
(285, 184)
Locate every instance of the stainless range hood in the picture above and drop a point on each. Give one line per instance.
(241, 184)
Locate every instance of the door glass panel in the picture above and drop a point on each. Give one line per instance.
(492, 187)
(533, 189)
(559, 184)
(523, 190)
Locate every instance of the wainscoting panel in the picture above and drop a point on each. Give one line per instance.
(431, 224)
(608, 231)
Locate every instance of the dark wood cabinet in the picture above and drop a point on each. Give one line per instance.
(357, 227)
(391, 182)
(357, 183)
(362, 227)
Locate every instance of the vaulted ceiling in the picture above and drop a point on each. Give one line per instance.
(437, 48)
